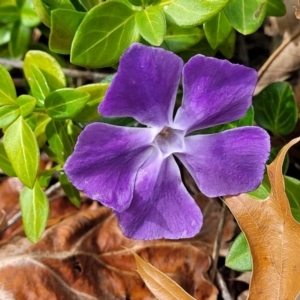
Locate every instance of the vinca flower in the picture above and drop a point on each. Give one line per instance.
(134, 171)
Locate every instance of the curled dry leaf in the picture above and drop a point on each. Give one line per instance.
(83, 257)
(273, 236)
(285, 59)
(159, 284)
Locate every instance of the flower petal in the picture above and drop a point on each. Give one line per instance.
(214, 92)
(227, 163)
(145, 86)
(161, 206)
(105, 162)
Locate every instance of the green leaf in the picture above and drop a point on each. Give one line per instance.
(31, 120)
(178, 39)
(65, 103)
(39, 131)
(29, 16)
(275, 8)
(48, 66)
(8, 114)
(151, 24)
(89, 4)
(228, 47)
(90, 110)
(273, 154)
(193, 12)
(19, 40)
(35, 211)
(22, 150)
(275, 108)
(239, 255)
(42, 11)
(246, 16)
(5, 31)
(59, 140)
(38, 84)
(64, 24)
(202, 47)
(9, 13)
(71, 192)
(292, 189)
(7, 89)
(217, 30)
(105, 32)
(54, 4)
(27, 104)
(5, 164)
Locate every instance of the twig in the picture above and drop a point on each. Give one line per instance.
(94, 76)
(18, 215)
(217, 244)
(266, 65)
(223, 287)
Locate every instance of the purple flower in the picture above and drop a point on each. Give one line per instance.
(133, 170)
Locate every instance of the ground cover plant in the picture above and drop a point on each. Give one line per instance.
(144, 149)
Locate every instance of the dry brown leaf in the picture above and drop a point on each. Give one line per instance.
(83, 257)
(273, 236)
(159, 284)
(286, 58)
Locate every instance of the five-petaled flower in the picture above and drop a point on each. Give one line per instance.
(133, 170)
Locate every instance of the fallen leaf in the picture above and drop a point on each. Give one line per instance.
(159, 284)
(83, 257)
(285, 59)
(273, 236)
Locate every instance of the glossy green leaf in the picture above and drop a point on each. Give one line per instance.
(9, 13)
(35, 211)
(151, 24)
(5, 31)
(263, 191)
(105, 32)
(193, 12)
(42, 11)
(65, 103)
(140, 2)
(239, 255)
(48, 66)
(29, 16)
(275, 8)
(39, 131)
(19, 40)
(273, 153)
(90, 111)
(54, 4)
(5, 164)
(38, 84)
(59, 140)
(275, 108)
(73, 131)
(217, 30)
(246, 16)
(64, 24)
(7, 89)
(26, 103)
(202, 47)
(8, 114)
(179, 39)
(22, 150)
(292, 189)
(228, 47)
(31, 120)
(71, 192)
(89, 4)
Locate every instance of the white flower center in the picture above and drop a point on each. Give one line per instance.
(169, 141)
